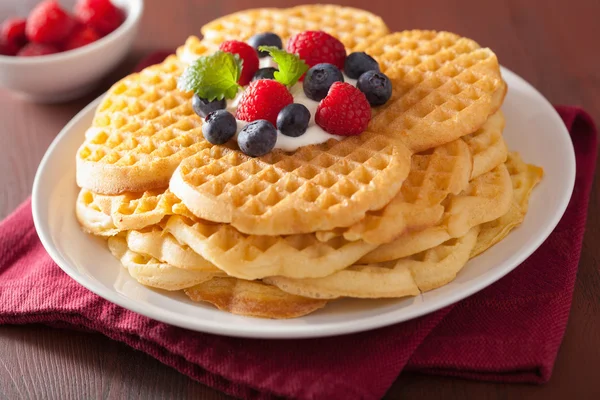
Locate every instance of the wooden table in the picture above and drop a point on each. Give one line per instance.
(552, 44)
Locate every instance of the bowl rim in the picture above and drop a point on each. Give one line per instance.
(134, 10)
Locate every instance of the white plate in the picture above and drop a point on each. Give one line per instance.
(533, 128)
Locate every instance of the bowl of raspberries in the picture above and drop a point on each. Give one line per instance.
(57, 50)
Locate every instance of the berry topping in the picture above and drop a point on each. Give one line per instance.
(345, 111)
(257, 138)
(37, 49)
(219, 127)
(203, 107)
(263, 99)
(265, 73)
(80, 38)
(293, 120)
(358, 63)
(319, 79)
(100, 15)
(48, 23)
(376, 86)
(13, 32)
(212, 77)
(248, 56)
(317, 47)
(290, 66)
(265, 39)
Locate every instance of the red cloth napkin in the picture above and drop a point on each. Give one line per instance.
(509, 332)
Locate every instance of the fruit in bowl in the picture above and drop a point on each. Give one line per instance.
(50, 29)
(90, 40)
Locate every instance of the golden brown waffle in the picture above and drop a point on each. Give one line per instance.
(252, 298)
(524, 178)
(156, 243)
(150, 272)
(318, 187)
(433, 175)
(107, 215)
(141, 131)
(406, 277)
(488, 197)
(353, 27)
(487, 146)
(254, 257)
(444, 87)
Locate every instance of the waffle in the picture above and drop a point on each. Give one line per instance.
(252, 298)
(488, 197)
(107, 215)
(487, 146)
(433, 175)
(444, 87)
(406, 277)
(524, 178)
(353, 27)
(150, 272)
(254, 257)
(156, 243)
(318, 187)
(141, 131)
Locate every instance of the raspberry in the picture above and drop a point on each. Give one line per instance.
(8, 48)
(263, 99)
(79, 38)
(48, 23)
(13, 31)
(345, 111)
(316, 47)
(246, 53)
(37, 49)
(101, 15)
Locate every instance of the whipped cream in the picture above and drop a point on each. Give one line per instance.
(314, 133)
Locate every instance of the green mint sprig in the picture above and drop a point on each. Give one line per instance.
(291, 66)
(213, 77)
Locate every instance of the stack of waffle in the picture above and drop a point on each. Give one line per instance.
(393, 212)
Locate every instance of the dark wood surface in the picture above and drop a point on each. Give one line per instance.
(552, 44)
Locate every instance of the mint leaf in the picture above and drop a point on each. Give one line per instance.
(291, 66)
(212, 77)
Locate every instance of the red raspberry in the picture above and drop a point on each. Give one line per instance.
(8, 48)
(246, 53)
(80, 38)
(316, 47)
(263, 99)
(101, 15)
(13, 31)
(345, 111)
(48, 23)
(37, 49)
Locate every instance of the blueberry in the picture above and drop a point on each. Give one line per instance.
(265, 73)
(265, 39)
(376, 87)
(219, 126)
(203, 107)
(358, 63)
(293, 120)
(319, 79)
(257, 138)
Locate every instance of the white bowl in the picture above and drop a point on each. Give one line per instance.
(67, 75)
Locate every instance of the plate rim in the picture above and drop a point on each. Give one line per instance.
(309, 330)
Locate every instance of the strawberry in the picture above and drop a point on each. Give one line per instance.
(247, 53)
(79, 38)
(101, 15)
(37, 49)
(344, 111)
(317, 47)
(13, 31)
(263, 99)
(48, 23)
